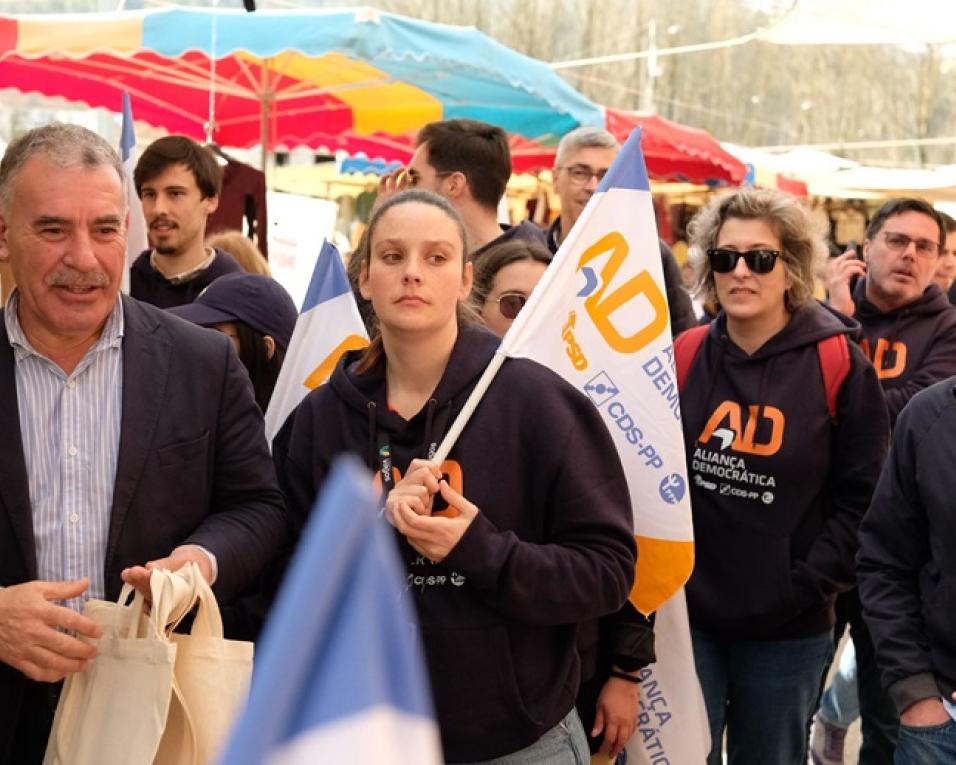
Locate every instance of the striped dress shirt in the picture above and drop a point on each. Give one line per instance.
(70, 426)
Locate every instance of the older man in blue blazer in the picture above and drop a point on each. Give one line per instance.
(129, 439)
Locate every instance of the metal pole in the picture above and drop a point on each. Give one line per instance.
(211, 122)
(265, 102)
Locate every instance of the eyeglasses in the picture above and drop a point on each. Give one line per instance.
(414, 178)
(899, 242)
(723, 261)
(582, 174)
(510, 303)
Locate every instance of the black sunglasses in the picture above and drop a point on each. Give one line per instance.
(723, 261)
(510, 303)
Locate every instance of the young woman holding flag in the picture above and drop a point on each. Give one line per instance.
(524, 532)
(786, 431)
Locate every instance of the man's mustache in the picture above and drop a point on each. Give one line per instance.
(77, 279)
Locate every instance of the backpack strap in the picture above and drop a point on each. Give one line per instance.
(834, 353)
(686, 346)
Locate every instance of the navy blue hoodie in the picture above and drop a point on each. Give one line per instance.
(150, 286)
(551, 547)
(777, 489)
(911, 347)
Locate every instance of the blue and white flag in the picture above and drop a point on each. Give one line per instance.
(328, 326)
(136, 240)
(599, 318)
(340, 676)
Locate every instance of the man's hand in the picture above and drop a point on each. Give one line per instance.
(391, 184)
(616, 715)
(434, 536)
(138, 576)
(31, 636)
(841, 270)
(925, 714)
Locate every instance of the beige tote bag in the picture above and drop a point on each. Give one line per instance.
(211, 682)
(114, 711)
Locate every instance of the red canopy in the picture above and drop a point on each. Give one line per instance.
(673, 152)
(676, 152)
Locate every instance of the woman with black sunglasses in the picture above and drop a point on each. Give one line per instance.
(786, 431)
(504, 277)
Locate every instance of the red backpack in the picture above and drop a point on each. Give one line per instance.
(833, 351)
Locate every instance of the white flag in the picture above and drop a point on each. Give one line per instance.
(599, 318)
(328, 326)
(136, 240)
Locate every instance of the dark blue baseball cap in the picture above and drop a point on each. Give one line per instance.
(254, 299)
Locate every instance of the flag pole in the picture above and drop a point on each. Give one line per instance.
(484, 382)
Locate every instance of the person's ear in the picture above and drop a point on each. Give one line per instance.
(4, 231)
(866, 250)
(467, 279)
(363, 281)
(211, 203)
(269, 342)
(455, 185)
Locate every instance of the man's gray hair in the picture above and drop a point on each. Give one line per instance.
(65, 146)
(584, 138)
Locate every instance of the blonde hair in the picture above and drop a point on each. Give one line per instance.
(242, 249)
(800, 245)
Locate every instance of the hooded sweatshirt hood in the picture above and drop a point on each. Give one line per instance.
(761, 448)
(366, 393)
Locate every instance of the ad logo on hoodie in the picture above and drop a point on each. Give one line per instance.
(726, 424)
(889, 359)
(729, 435)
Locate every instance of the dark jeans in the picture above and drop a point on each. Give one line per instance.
(926, 746)
(878, 717)
(763, 692)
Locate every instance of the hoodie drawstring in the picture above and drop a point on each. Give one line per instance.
(372, 435)
(429, 446)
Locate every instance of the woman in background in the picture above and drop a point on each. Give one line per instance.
(242, 249)
(504, 277)
(257, 314)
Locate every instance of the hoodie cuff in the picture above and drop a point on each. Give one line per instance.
(479, 554)
(909, 690)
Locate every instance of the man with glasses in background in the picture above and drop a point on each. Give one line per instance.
(909, 326)
(909, 333)
(584, 156)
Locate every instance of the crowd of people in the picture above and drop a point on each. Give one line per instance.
(815, 434)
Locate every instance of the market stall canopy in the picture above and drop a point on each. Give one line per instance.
(864, 22)
(287, 77)
(676, 152)
(673, 152)
(828, 175)
(938, 184)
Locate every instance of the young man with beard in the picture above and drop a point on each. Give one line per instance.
(178, 182)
